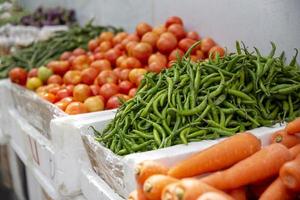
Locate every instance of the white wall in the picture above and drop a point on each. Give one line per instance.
(257, 22)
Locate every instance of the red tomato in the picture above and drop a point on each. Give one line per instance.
(166, 42)
(105, 46)
(216, 50)
(49, 97)
(95, 89)
(67, 99)
(200, 55)
(112, 55)
(129, 47)
(99, 56)
(88, 75)
(173, 20)
(170, 63)
(81, 92)
(142, 51)
(132, 62)
(65, 55)
(113, 102)
(78, 52)
(143, 28)
(107, 76)
(76, 108)
(135, 74)
(62, 105)
(108, 89)
(156, 67)
(106, 36)
(59, 67)
(130, 37)
(80, 62)
(120, 60)
(175, 53)
(150, 38)
(94, 104)
(32, 73)
(158, 57)
(207, 44)
(117, 71)
(132, 92)
(159, 29)
(119, 37)
(124, 74)
(18, 75)
(101, 65)
(177, 30)
(92, 45)
(193, 35)
(70, 88)
(53, 88)
(119, 47)
(63, 93)
(55, 79)
(72, 77)
(125, 86)
(185, 44)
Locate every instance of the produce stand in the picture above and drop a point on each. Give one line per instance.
(93, 111)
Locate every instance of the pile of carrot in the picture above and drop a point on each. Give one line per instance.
(237, 168)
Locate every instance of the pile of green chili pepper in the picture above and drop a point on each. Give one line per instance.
(219, 97)
(40, 53)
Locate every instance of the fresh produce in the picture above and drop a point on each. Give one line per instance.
(290, 174)
(214, 196)
(194, 101)
(239, 193)
(277, 191)
(295, 150)
(293, 127)
(221, 156)
(40, 53)
(284, 138)
(137, 195)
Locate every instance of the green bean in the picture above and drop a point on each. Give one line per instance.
(195, 110)
(239, 94)
(156, 137)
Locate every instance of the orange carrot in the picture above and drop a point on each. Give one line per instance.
(188, 189)
(293, 127)
(155, 184)
(219, 156)
(277, 191)
(257, 188)
(284, 138)
(214, 196)
(148, 168)
(238, 194)
(295, 150)
(261, 165)
(290, 174)
(137, 195)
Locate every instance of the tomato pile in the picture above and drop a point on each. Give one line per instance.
(112, 68)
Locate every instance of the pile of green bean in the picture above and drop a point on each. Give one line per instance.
(40, 53)
(206, 100)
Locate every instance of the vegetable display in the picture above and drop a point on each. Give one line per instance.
(40, 53)
(193, 101)
(269, 172)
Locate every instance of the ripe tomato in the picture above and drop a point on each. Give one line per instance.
(55, 79)
(125, 86)
(173, 20)
(88, 75)
(129, 47)
(107, 76)
(157, 57)
(216, 50)
(106, 36)
(101, 65)
(120, 60)
(177, 30)
(119, 37)
(99, 56)
(115, 101)
(132, 62)
(81, 92)
(119, 47)
(185, 44)
(62, 105)
(95, 89)
(117, 71)
(176, 53)
(94, 104)
(67, 99)
(143, 28)
(156, 67)
(92, 45)
(63, 93)
(49, 97)
(200, 55)
(65, 55)
(76, 108)
(159, 29)
(142, 51)
(72, 77)
(81, 62)
(105, 46)
(112, 55)
(78, 52)
(124, 73)
(108, 89)
(32, 73)
(193, 35)
(150, 38)
(130, 37)
(70, 88)
(135, 74)
(132, 92)
(59, 67)
(206, 44)
(53, 88)
(18, 75)
(166, 42)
